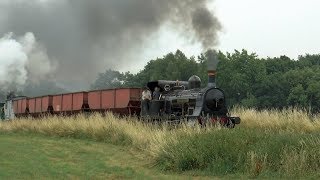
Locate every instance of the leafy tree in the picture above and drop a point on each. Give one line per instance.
(298, 97)
(308, 60)
(282, 64)
(240, 74)
(171, 67)
(109, 79)
(313, 92)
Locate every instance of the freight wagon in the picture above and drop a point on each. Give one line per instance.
(125, 101)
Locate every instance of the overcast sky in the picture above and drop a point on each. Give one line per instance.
(270, 27)
(267, 27)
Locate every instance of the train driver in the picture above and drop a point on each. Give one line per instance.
(146, 94)
(146, 98)
(156, 94)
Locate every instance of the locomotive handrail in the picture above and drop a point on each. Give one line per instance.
(182, 87)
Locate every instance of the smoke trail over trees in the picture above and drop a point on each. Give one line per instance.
(86, 37)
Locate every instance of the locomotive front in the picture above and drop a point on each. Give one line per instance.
(210, 106)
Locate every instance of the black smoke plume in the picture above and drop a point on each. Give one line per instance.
(88, 36)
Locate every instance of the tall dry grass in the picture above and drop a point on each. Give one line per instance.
(290, 120)
(284, 142)
(109, 128)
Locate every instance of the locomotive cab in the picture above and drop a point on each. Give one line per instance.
(177, 101)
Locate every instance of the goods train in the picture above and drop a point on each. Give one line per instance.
(178, 101)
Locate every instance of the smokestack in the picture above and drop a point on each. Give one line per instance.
(212, 67)
(212, 78)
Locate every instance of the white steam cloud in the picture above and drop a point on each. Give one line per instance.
(23, 59)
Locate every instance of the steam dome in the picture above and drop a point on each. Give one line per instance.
(194, 82)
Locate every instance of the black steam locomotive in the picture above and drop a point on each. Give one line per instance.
(186, 100)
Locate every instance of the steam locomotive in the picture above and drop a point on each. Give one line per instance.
(186, 100)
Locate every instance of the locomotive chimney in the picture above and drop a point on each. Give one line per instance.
(212, 78)
(212, 67)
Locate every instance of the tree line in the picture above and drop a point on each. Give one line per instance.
(247, 80)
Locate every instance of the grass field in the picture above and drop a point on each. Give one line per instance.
(26, 156)
(267, 144)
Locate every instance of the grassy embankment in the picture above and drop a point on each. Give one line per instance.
(30, 156)
(266, 144)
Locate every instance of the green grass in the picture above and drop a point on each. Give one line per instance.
(26, 156)
(267, 144)
(247, 152)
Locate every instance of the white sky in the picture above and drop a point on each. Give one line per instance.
(267, 27)
(270, 27)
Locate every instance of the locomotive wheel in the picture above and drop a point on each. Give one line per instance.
(230, 124)
(212, 122)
